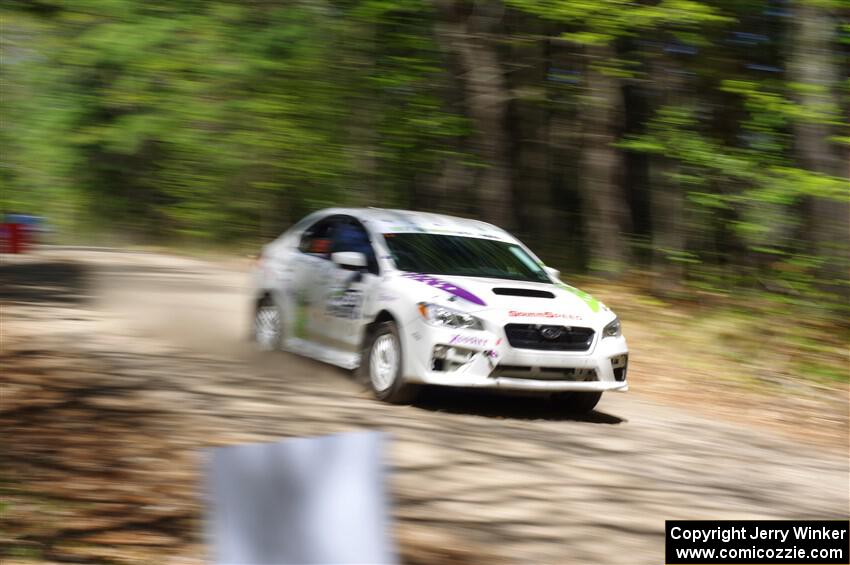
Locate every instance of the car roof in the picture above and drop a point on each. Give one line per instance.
(384, 220)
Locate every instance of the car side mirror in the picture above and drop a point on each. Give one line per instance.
(349, 259)
(554, 273)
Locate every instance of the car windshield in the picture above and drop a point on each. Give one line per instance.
(437, 254)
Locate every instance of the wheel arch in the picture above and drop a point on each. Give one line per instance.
(384, 315)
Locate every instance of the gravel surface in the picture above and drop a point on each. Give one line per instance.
(118, 368)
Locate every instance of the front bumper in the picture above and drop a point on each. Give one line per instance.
(485, 359)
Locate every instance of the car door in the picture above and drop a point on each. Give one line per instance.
(311, 270)
(349, 289)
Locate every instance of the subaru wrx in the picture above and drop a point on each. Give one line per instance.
(413, 298)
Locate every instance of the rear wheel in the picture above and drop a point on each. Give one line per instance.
(576, 402)
(268, 325)
(384, 366)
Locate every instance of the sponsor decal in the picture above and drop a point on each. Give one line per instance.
(558, 315)
(446, 286)
(345, 301)
(345, 304)
(460, 339)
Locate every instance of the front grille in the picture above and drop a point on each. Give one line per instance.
(532, 336)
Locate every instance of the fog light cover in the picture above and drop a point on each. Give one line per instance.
(619, 364)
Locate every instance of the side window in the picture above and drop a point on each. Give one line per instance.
(317, 239)
(350, 235)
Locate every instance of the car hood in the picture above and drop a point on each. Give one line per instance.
(517, 301)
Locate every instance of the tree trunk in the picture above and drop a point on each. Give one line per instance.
(528, 126)
(667, 199)
(468, 36)
(813, 64)
(601, 162)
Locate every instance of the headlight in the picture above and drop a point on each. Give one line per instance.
(612, 329)
(446, 317)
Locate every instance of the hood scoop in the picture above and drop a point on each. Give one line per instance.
(529, 292)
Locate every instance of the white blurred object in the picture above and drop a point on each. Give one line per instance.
(302, 500)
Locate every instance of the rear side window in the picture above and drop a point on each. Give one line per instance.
(318, 238)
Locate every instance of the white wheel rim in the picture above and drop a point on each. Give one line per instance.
(383, 362)
(267, 327)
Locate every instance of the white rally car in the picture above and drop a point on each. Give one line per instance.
(415, 298)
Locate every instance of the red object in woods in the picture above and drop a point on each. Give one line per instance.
(14, 238)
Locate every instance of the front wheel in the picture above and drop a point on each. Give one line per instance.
(384, 366)
(576, 402)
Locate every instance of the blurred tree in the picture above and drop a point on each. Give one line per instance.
(219, 120)
(814, 72)
(470, 33)
(597, 27)
(406, 130)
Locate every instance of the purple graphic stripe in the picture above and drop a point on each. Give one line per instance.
(445, 285)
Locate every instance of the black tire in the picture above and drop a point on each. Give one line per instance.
(398, 391)
(576, 402)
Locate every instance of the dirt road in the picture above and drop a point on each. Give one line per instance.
(119, 367)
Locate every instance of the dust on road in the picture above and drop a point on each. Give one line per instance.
(120, 368)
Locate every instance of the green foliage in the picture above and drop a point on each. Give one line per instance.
(752, 191)
(216, 120)
(601, 22)
(742, 186)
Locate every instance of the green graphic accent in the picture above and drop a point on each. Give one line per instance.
(589, 300)
(300, 325)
